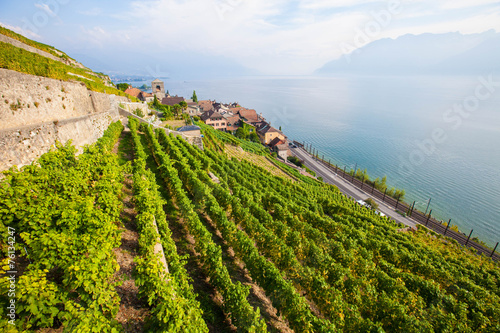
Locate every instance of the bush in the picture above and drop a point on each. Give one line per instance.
(295, 160)
(370, 202)
(138, 112)
(310, 171)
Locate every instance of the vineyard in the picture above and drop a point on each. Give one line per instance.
(321, 262)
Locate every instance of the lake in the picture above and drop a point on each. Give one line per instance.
(435, 137)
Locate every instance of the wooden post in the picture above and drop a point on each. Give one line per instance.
(445, 230)
(413, 206)
(362, 181)
(336, 168)
(344, 171)
(373, 187)
(397, 202)
(385, 192)
(428, 217)
(492, 252)
(354, 173)
(469, 237)
(323, 158)
(428, 206)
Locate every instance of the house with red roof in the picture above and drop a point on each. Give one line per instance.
(267, 133)
(214, 119)
(169, 100)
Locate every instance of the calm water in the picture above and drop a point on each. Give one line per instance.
(402, 127)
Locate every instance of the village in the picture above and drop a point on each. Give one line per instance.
(232, 118)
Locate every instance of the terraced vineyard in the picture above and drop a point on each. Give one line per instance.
(320, 262)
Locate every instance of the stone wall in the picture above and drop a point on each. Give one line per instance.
(24, 145)
(40, 111)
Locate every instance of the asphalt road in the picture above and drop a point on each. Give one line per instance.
(345, 187)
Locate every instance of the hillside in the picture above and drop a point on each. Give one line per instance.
(449, 53)
(23, 55)
(143, 232)
(314, 260)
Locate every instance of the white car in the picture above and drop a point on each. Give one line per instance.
(362, 203)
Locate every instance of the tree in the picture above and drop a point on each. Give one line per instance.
(241, 133)
(254, 137)
(194, 97)
(370, 202)
(176, 108)
(183, 105)
(122, 86)
(144, 87)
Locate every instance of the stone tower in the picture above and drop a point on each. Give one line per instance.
(158, 88)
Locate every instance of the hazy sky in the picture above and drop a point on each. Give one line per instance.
(269, 36)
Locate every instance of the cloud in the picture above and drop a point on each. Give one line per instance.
(274, 37)
(96, 11)
(19, 30)
(45, 7)
(456, 4)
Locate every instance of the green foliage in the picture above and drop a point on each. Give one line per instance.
(176, 108)
(380, 184)
(166, 110)
(40, 46)
(194, 97)
(215, 138)
(295, 160)
(170, 314)
(309, 171)
(20, 60)
(138, 112)
(122, 86)
(242, 314)
(254, 137)
(372, 203)
(64, 211)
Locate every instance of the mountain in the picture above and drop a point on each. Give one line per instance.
(449, 53)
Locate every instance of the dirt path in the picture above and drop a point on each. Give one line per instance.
(133, 310)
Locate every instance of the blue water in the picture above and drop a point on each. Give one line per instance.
(378, 122)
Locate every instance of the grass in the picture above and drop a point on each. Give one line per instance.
(47, 48)
(22, 61)
(259, 160)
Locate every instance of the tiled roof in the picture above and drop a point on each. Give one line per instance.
(171, 100)
(205, 105)
(145, 94)
(276, 141)
(156, 81)
(210, 115)
(249, 114)
(133, 92)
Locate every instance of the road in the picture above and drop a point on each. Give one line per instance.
(347, 188)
